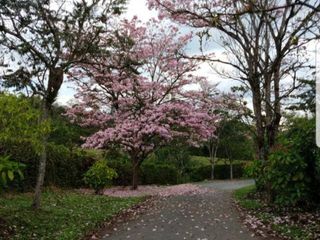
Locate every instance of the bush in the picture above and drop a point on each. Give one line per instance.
(290, 176)
(9, 171)
(65, 167)
(99, 176)
(282, 177)
(158, 174)
(201, 173)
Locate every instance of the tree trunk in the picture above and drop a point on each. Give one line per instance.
(212, 170)
(260, 138)
(231, 169)
(214, 158)
(135, 174)
(54, 83)
(42, 163)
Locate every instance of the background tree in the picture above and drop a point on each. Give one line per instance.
(19, 123)
(142, 108)
(43, 40)
(236, 142)
(304, 99)
(264, 41)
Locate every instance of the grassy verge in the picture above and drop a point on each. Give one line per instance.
(294, 224)
(64, 214)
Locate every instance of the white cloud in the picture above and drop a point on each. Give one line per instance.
(139, 8)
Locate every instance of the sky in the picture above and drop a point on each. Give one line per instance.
(139, 8)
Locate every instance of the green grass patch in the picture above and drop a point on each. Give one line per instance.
(241, 195)
(64, 214)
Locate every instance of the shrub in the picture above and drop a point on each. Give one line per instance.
(201, 173)
(9, 171)
(282, 177)
(122, 165)
(65, 167)
(99, 176)
(159, 174)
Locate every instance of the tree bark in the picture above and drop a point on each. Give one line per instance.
(42, 163)
(213, 159)
(260, 139)
(135, 174)
(231, 169)
(54, 83)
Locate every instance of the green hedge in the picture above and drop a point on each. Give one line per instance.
(65, 167)
(162, 174)
(220, 172)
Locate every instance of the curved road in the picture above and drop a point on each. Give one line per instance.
(209, 216)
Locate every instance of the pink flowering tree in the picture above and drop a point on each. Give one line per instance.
(137, 99)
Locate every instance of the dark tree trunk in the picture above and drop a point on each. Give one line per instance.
(260, 138)
(54, 83)
(231, 169)
(42, 164)
(135, 174)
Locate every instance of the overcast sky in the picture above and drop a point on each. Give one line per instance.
(139, 8)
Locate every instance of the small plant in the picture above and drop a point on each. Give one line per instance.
(9, 170)
(99, 176)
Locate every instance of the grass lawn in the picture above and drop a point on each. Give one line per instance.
(64, 214)
(292, 223)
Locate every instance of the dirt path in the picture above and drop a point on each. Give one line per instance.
(206, 216)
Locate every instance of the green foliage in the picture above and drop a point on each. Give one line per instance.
(19, 122)
(291, 175)
(301, 136)
(222, 171)
(152, 173)
(65, 166)
(64, 132)
(286, 174)
(9, 170)
(64, 214)
(235, 141)
(99, 175)
(177, 158)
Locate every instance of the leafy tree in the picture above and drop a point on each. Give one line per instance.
(18, 124)
(44, 39)
(65, 133)
(265, 44)
(236, 142)
(305, 97)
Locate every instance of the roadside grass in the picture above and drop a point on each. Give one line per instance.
(66, 215)
(281, 222)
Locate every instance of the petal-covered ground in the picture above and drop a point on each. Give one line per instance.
(185, 212)
(162, 191)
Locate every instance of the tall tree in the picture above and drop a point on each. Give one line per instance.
(143, 108)
(44, 39)
(265, 43)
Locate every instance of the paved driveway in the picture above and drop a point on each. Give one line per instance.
(206, 216)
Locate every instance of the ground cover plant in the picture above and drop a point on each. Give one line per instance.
(65, 215)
